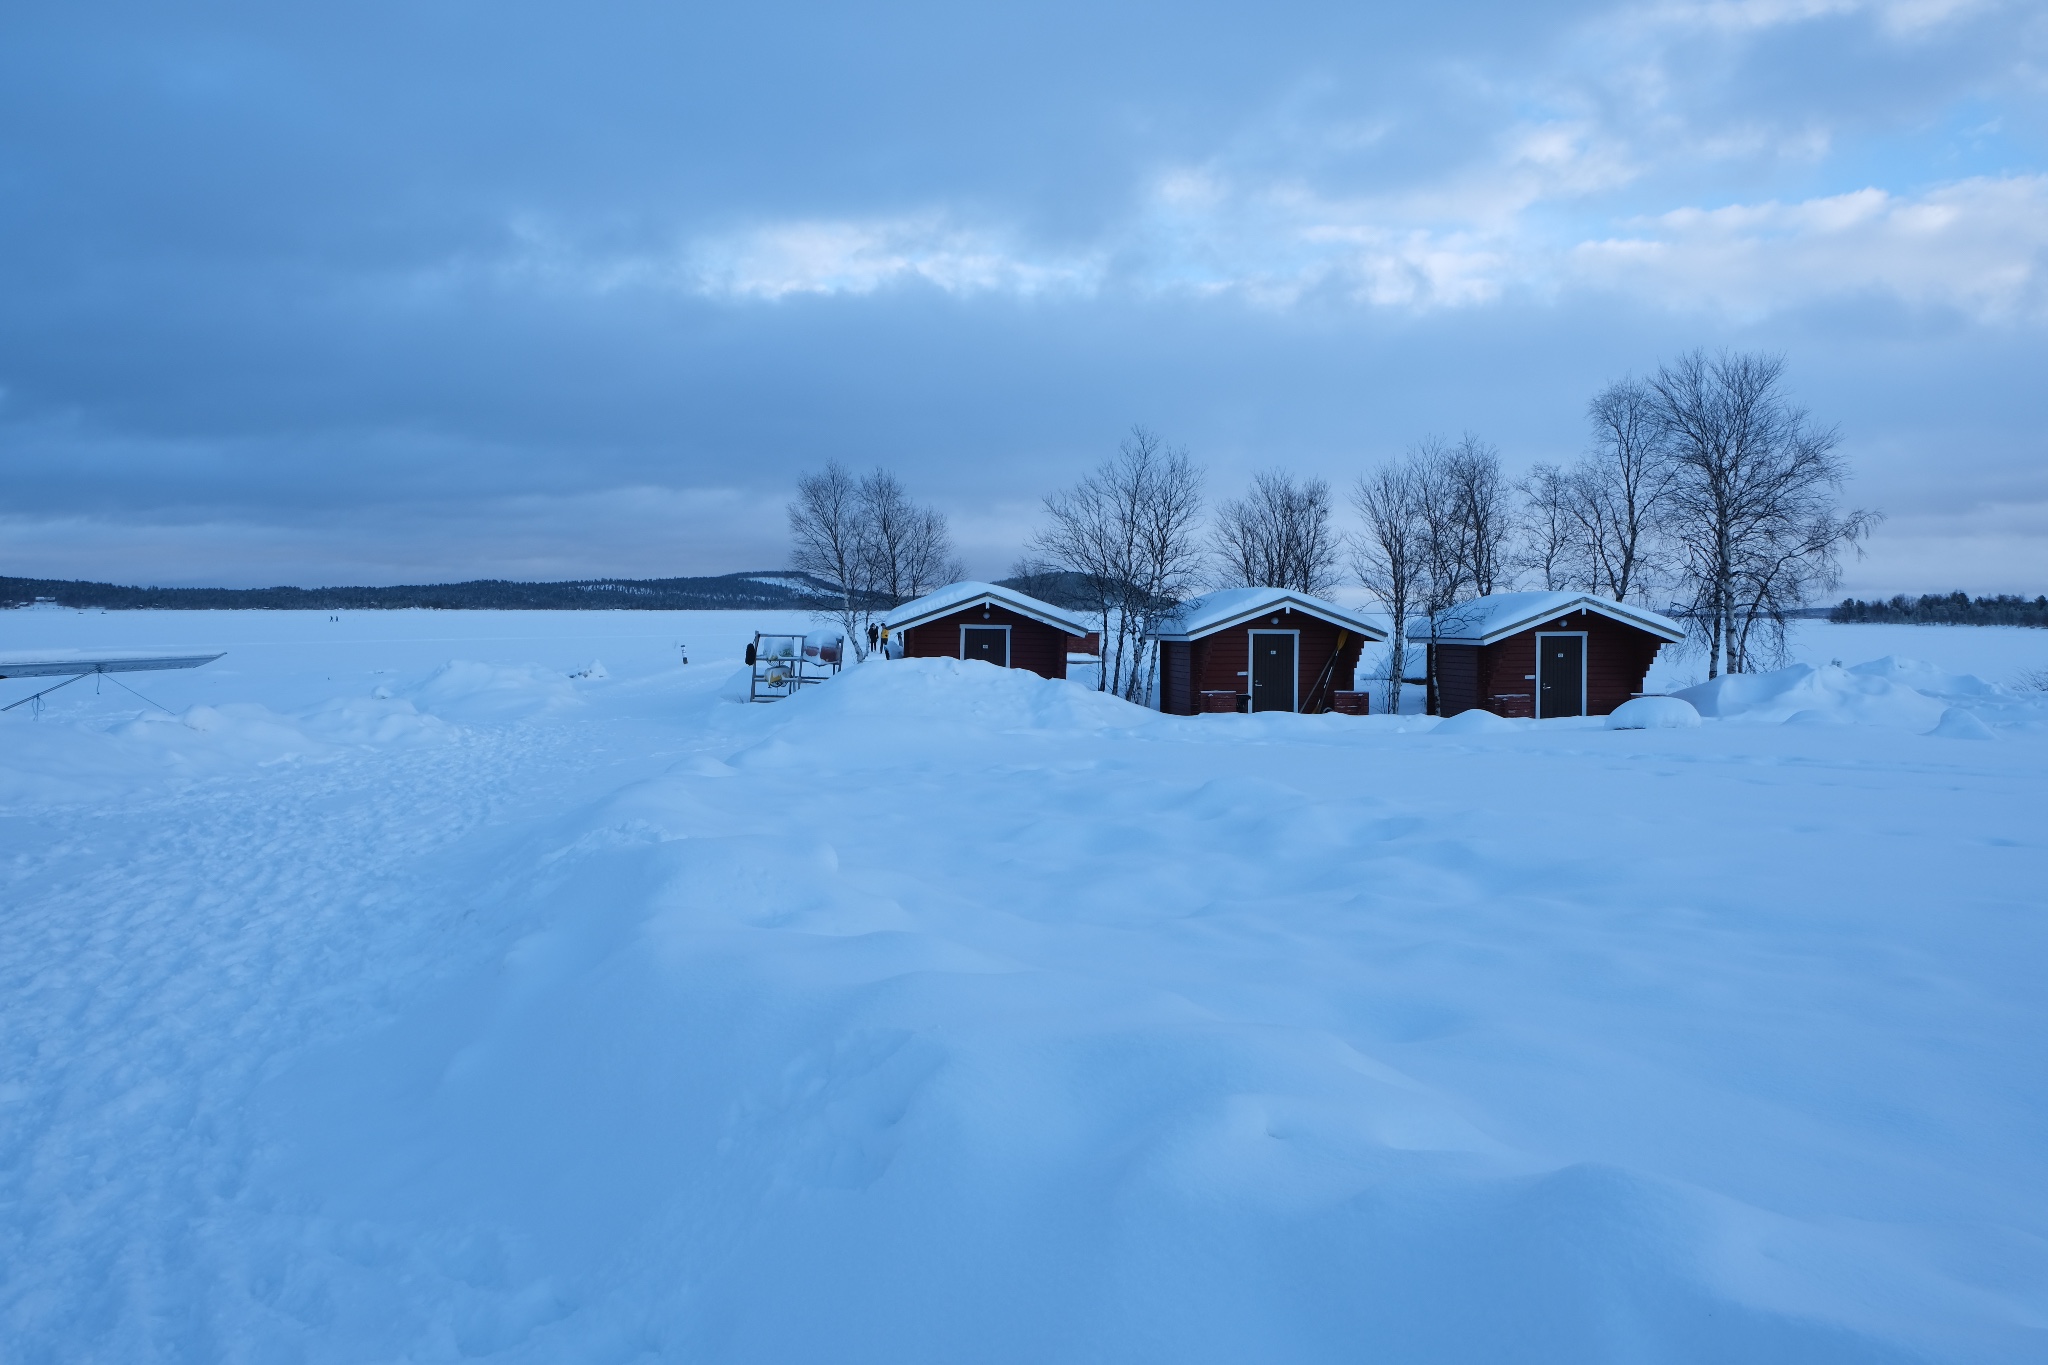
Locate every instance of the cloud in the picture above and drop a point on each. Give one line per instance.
(799, 257)
(345, 291)
(1897, 17)
(1978, 247)
(860, 257)
(1274, 238)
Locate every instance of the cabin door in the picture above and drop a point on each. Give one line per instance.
(1273, 673)
(991, 644)
(1560, 675)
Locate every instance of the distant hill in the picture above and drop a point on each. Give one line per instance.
(771, 589)
(1057, 587)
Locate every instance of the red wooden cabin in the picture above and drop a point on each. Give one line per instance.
(989, 622)
(1545, 654)
(1259, 649)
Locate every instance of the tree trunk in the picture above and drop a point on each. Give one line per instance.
(1102, 654)
(1397, 670)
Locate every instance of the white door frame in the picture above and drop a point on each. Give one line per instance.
(1585, 662)
(1251, 658)
(986, 625)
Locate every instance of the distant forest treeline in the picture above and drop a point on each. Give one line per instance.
(775, 589)
(1953, 609)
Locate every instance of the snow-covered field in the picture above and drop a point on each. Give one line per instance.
(395, 995)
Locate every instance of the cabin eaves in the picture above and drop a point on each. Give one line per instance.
(1216, 611)
(958, 597)
(1488, 620)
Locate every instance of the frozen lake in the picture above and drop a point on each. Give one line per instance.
(383, 991)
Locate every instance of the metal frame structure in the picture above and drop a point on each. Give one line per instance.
(71, 670)
(782, 665)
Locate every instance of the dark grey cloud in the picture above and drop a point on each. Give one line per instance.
(393, 292)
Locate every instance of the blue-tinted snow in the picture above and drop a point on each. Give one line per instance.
(401, 996)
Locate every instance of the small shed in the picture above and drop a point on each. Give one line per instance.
(1263, 649)
(1545, 654)
(989, 622)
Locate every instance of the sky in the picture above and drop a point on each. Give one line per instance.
(391, 293)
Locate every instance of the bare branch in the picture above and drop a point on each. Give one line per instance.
(1278, 535)
(1387, 555)
(1752, 496)
(828, 540)
(870, 541)
(1127, 532)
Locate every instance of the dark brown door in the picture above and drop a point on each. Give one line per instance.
(1560, 675)
(991, 644)
(1272, 671)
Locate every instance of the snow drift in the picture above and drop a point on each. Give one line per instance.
(1475, 722)
(1654, 713)
(1894, 693)
(945, 1013)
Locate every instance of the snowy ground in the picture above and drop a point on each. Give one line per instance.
(369, 1006)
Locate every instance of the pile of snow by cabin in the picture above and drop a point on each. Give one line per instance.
(437, 986)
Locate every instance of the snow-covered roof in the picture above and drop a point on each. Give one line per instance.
(962, 596)
(1216, 611)
(1484, 620)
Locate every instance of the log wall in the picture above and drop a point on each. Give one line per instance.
(1033, 644)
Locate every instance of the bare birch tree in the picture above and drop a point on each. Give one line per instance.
(1081, 539)
(1167, 507)
(1278, 535)
(1455, 486)
(1753, 500)
(1482, 511)
(1443, 575)
(1127, 531)
(908, 548)
(867, 539)
(829, 542)
(1599, 526)
(1387, 556)
(1622, 489)
(1555, 544)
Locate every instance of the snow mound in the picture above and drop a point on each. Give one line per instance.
(1991, 704)
(1473, 722)
(1654, 713)
(962, 692)
(735, 688)
(1934, 682)
(377, 721)
(233, 733)
(1895, 693)
(1958, 723)
(1828, 695)
(464, 690)
(242, 733)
